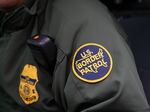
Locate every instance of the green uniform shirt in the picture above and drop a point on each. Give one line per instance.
(95, 69)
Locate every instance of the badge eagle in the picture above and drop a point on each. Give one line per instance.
(28, 82)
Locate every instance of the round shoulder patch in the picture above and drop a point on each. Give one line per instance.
(92, 63)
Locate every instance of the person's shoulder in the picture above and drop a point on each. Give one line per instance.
(81, 9)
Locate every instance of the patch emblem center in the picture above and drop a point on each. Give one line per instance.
(92, 63)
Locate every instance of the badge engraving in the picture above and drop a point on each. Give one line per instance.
(28, 82)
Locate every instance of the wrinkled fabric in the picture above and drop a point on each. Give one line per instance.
(71, 23)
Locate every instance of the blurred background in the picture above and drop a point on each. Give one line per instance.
(134, 17)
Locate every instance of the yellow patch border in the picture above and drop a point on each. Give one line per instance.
(92, 81)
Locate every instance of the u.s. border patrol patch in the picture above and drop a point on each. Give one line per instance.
(28, 82)
(92, 63)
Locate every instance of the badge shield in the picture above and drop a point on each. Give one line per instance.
(28, 83)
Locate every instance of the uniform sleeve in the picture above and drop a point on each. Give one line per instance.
(103, 76)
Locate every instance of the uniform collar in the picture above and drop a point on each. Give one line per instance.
(18, 18)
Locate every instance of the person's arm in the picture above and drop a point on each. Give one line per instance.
(103, 76)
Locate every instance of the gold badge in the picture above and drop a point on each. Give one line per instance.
(28, 82)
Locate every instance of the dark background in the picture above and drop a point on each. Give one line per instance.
(134, 17)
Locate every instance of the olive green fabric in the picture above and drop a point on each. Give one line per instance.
(71, 23)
